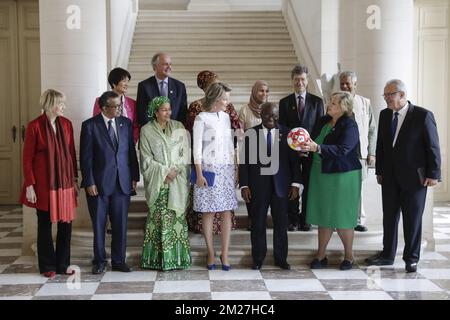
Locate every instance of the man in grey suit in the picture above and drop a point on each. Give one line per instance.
(367, 134)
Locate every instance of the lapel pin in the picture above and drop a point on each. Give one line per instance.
(171, 91)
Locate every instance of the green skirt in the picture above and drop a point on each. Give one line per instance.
(166, 239)
(333, 198)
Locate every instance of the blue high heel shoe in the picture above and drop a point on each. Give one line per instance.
(225, 267)
(211, 266)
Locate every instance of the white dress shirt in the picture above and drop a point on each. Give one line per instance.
(166, 80)
(401, 117)
(113, 124)
(273, 131)
(304, 98)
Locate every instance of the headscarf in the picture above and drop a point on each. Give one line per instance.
(205, 78)
(255, 103)
(154, 105)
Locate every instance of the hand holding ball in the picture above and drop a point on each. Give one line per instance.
(297, 138)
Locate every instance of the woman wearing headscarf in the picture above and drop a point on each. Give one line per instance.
(164, 160)
(250, 114)
(204, 80)
(50, 181)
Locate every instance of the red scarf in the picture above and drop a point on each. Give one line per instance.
(63, 199)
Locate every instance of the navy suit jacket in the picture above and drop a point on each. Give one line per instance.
(289, 115)
(416, 154)
(288, 169)
(100, 164)
(148, 89)
(340, 147)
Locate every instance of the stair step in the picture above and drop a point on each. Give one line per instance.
(211, 29)
(210, 37)
(135, 62)
(150, 49)
(176, 55)
(209, 42)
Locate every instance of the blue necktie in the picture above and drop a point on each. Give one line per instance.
(394, 125)
(112, 135)
(269, 143)
(163, 89)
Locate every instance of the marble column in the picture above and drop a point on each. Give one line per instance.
(73, 60)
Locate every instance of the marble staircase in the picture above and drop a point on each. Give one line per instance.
(241, 47)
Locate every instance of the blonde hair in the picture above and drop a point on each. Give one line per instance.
(213, 93)
(51, 98)
(346, 101)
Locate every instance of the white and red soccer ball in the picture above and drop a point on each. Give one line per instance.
(297, 138)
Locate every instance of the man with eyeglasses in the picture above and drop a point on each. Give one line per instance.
(408, 161)
(367, 128)
(110, 172)
(300, 109)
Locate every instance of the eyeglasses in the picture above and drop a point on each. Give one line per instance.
(115, 107)
(388, 95)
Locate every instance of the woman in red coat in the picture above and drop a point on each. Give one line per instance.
(50, 181)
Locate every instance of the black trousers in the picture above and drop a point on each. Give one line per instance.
(295, 216)
(411, 202)
(261, 200)
(50, 259)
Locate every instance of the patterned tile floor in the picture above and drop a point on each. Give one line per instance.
(19, 277)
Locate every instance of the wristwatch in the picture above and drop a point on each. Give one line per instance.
(319, 150)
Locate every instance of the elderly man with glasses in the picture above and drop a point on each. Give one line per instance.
(408, 161)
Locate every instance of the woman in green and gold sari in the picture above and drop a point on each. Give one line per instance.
(164, 160)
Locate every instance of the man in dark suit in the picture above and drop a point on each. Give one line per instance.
(110, 172)
(269, 175)
(408, 161)
(300, 109)
(161, 85)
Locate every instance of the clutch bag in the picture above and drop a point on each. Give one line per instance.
(209, 176)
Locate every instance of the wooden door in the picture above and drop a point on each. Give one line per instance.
(20, 88)
(10, 145)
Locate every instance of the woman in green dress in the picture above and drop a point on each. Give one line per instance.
(335, 179)
(164, 160)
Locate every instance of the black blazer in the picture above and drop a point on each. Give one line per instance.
(416, 154)
(288, 168)
(148, 89)
(314, 110)
(340, 147)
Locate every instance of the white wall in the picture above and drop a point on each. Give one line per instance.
(122, 21)
(309, 18)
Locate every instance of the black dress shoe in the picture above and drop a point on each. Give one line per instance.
(98, 269)
(122, 268)
(292, 227)
(361, 228)
(379, 260)
(319, 264)
(256, 266)
(305, 227)
(284, 265)
(411, 267)
(346, 265)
